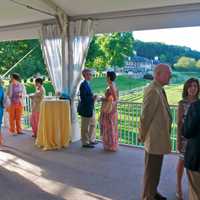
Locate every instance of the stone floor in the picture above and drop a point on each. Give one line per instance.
(28, 173)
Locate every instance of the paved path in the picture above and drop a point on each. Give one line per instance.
(28, 173)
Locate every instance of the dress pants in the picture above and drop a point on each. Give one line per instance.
(194, 184)
(88, 129)
(15, 114)
(152, 171)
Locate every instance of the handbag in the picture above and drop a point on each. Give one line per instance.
(6, 102)
(107, 105)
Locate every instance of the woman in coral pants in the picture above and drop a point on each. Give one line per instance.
(16, 92)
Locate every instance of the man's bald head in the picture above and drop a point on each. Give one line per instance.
(162, 74)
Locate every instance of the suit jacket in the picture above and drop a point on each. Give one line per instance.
(192, 133)
(86, 103)
(155, 120)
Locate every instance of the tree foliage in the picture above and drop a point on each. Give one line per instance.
(96, 56)
(106, 50)
(12, 51)
(166, 53)
(110, 50)
(185, 62)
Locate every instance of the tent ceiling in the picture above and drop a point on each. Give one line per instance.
(77, 7)
(11, 13)
(112, 15)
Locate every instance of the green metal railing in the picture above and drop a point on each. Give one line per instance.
(128, 122)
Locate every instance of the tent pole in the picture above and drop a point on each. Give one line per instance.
(19, 61)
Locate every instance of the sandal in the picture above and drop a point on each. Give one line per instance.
(179, 196)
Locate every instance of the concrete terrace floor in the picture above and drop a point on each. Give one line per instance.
(29, 173)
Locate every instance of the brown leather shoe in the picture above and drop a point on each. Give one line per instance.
(88, 146)
(94, 143)
(20, 133)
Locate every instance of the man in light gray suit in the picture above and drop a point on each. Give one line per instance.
(154, 131)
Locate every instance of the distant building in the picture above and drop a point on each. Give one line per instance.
(138, 66)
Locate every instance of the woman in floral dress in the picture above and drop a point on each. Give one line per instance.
(108, 116)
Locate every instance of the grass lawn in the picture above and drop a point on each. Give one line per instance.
(124, 83)
(173, 92)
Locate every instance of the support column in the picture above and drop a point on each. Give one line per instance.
(76, 133)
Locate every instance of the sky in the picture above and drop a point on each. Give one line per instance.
(189, 37)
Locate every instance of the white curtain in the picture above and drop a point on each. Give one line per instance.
(65, 55)
(51, 43)
(80, 34)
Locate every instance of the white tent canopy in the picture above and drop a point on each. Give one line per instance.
(19, 22)
(66, 42)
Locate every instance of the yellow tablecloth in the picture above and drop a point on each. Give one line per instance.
(54, 126)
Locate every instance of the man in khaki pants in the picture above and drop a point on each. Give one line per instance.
(154, 131)
(86, 111)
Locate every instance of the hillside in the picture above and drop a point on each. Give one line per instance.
(166, 53)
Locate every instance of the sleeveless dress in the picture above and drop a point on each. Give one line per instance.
(1, 105)
(186, 104)
(36, 100)
(109, 123)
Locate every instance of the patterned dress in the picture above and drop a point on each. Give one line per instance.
(109, 123)
(185, 105)
(1, 105)
(35, 103)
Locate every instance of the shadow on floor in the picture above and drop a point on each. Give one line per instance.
(81, 174)
(14, 186)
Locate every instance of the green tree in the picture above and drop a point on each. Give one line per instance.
(198, 64)
(163, 58)
(12, 51)
(166, 53)
(117, 47)
(96, 56)
(110, 50)
(185, 63)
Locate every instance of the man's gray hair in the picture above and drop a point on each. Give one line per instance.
(85, 70)
(159, 68)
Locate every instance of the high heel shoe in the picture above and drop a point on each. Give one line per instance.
(179, 196)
